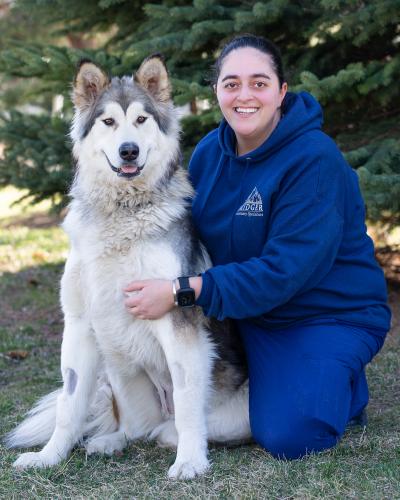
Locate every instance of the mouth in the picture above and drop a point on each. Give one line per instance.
(129, 170)
(126, 170)
(245, 111)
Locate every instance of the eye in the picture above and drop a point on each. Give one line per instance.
(260, 85)
(141, 119)
(109, 121)
(231, 85)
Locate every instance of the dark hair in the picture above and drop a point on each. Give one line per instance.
(256, 42)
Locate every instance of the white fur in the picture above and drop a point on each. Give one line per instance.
(116, 238)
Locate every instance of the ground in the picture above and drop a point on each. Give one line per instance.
(33, 248)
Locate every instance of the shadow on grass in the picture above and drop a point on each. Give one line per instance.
(30, 337)
(34, 221)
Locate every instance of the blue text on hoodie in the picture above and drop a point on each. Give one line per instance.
(284, 225)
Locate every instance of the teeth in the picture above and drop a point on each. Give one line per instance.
(246, 110)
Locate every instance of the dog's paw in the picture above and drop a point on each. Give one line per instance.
(107, 444)
(35, 459)
(188, 469)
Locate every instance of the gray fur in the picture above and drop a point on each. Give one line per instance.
(187, 244)
(71, 380)
(232, 356)
(124, 91)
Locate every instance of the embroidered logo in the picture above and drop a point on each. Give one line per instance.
(253, 206)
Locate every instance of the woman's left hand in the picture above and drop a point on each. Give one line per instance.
(153, 298)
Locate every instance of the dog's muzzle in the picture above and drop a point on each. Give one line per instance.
(128, 152)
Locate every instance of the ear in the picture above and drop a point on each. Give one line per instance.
(89, 83)
(153, 76)
(283, 91)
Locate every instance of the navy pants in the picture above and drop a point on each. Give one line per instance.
(306, 383)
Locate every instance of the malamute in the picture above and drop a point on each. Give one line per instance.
(176, 379)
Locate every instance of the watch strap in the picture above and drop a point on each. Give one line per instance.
(185, 296)
(184, 282)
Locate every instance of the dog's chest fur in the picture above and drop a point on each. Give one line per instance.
(117, 248)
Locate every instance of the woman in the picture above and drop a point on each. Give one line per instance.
(282, 217)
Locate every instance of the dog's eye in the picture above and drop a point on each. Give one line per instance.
(141, 119)
(109, 121)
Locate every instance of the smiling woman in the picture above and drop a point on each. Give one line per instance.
(281, 214)
(250, 99)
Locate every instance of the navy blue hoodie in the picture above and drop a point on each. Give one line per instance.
(284, 225)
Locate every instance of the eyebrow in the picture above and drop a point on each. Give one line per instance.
(255, 75)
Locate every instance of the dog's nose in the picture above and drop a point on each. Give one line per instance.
(129, 151)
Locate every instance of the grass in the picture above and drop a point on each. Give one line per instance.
(365, 465)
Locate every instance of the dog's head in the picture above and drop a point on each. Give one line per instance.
(124, 129)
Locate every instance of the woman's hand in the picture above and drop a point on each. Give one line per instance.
(153, 298)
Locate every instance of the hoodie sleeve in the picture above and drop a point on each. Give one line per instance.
(305, 233)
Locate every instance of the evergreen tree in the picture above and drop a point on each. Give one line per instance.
(344, 52)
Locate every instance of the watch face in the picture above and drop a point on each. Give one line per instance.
(186, 298)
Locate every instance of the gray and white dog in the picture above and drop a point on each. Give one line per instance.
(176, 379)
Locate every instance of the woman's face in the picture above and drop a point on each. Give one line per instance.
(249, 95)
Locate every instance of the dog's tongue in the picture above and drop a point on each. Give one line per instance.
(129, 169)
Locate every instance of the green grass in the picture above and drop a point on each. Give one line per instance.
(32, 251)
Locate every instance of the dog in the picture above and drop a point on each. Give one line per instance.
(180, 379)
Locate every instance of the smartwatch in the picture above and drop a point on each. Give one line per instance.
(185, 296)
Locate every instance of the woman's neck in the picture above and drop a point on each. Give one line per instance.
(246, 144)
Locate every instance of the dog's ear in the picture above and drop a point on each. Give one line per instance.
(153, 76)
(89, 83)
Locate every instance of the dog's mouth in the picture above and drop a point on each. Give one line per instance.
(127, 170)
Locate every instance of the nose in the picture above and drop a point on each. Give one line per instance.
(245, 93)
(129, 151)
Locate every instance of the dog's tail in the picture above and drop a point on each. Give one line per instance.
(39, 424)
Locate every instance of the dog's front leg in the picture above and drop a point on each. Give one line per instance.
(79, 358)
(189, 356)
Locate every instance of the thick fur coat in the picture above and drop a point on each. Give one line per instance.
(176, 379)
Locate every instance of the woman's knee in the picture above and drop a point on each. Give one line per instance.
(295, 438)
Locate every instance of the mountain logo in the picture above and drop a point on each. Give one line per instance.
(253, 206)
